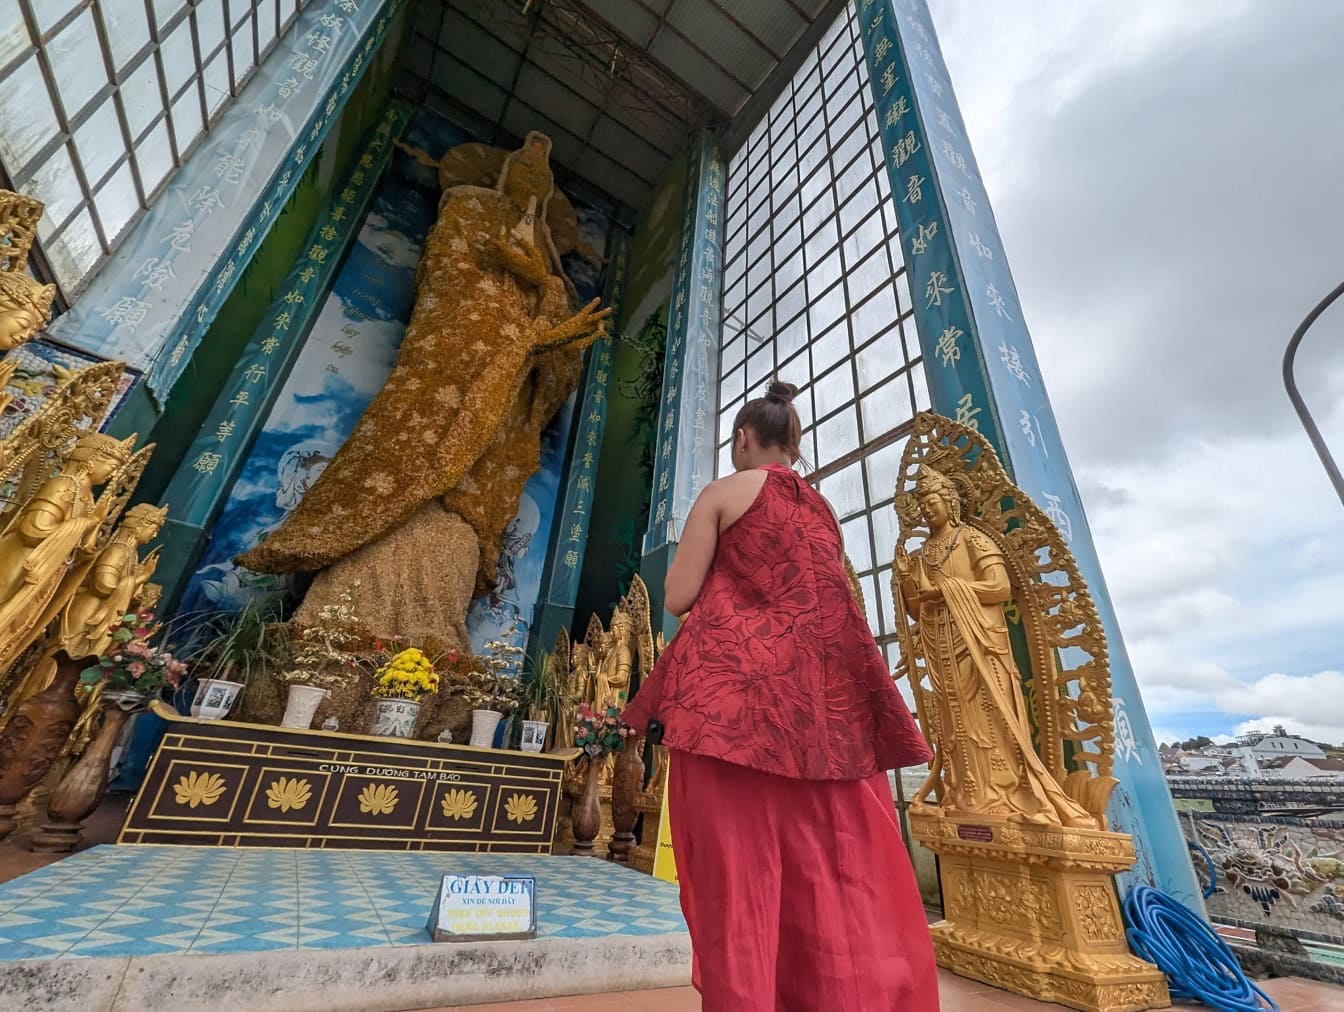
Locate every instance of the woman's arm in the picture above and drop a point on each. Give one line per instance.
(694, 554)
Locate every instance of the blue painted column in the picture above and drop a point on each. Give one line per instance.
(201, 486)
(564, 564)
(982, 371)
(684, 463)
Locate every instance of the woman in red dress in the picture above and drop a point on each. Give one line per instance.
(782, 720)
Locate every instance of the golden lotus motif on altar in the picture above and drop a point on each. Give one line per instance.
(521, 808)
(1015, 801)
(459, 805)
(196, 789)
(289, 794)
(378, 799)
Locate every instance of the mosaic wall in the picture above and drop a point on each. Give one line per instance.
(1281, 872)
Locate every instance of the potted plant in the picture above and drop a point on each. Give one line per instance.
(134, 671)
(599, 734)
(493, 692)
(406, 678)
(324, 659)
(231, 647)
(543, 700)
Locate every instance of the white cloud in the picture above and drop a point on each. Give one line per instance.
(1162, 182)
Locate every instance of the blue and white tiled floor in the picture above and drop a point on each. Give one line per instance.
(140, 901)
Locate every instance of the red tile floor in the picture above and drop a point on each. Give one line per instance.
(958, 995)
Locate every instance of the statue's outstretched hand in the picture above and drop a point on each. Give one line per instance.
(588, 321)
(521, 257)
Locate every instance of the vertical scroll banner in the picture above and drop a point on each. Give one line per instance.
(982, 371)
(201, 486)
(576, 511)
(152, 304)
(684, 462)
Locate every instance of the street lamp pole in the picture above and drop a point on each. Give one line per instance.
(1299, 405)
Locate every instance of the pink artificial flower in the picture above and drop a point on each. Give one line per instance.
(136, 668)
(138, 647)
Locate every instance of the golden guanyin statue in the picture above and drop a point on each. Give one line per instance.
(111, 583)
(1020, 778)
(25, 304)
(630, 637)
(42, 539)
(1041, 753)
(410, 513)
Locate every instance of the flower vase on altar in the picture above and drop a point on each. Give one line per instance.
(586, 817)
(214, 698)
(626, 783)
(32, 740)
(406, 677)
(302, 706)
(599, 734)
(484, 724)
(395, 718)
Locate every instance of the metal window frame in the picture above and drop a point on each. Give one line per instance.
(830, 129)
(68, 124)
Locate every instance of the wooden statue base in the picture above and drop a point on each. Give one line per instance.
(1033, 909)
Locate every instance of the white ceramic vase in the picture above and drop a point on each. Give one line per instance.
(303, 703)
(534, 735)
(484, 723)
(395, 718)
(215, 698)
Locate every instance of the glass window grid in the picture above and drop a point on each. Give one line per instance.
(821, 326)
(114, 183)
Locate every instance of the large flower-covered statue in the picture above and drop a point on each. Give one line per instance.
(410, 513)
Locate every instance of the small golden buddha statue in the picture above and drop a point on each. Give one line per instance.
(955, 587)
(40, 540)
(612, 682)
(25, 308)
(110, 584)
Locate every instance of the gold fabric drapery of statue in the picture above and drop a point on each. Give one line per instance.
(994, 755)
(410, 513)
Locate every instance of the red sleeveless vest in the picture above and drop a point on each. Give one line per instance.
(775, 668)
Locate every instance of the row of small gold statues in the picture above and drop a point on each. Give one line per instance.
(70, 550)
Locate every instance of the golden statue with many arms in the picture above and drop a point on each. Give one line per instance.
(1021, 776)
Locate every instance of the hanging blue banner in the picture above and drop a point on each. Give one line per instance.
(576, 514)
(685, 457)
(200, 488)
(982, 371)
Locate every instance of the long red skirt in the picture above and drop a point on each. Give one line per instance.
(799, 894)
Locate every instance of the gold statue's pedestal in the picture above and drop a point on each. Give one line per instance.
(1032, 909)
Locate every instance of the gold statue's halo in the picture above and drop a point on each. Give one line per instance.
(1071, 692)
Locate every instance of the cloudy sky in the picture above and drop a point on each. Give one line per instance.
(1168, 178)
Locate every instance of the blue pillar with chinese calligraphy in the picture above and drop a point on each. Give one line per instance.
(564, 563)
(199, 490)
(684, 463)
(982, 370)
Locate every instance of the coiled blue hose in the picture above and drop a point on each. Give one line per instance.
(1198, 964)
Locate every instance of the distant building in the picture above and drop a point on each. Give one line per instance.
(1302, 768)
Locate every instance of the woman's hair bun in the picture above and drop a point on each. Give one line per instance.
(781, 391)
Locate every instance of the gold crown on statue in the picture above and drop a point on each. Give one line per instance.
(146, 513)
(92, 445)
(18, 230)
